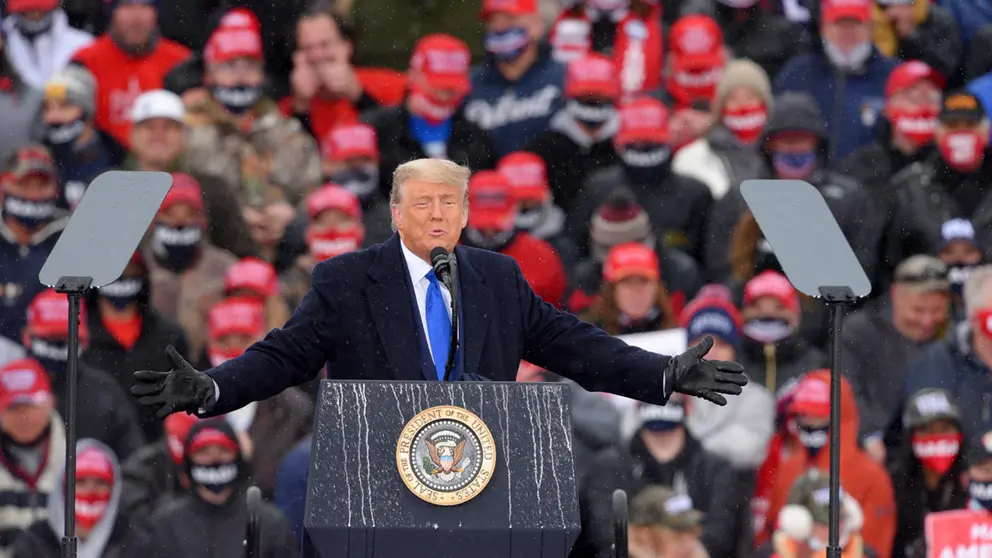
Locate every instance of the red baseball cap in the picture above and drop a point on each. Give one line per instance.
(210, 436)
(48, 316)
(811, 398)
(238, 35)
(350, 141)
(185, 189)
(642, 120)
(177, 426)
(771, 284)
(252, 274)
(24, 381)
(836, 10)
(21, 6)
(330, 242)
(93, 462)
(332, 196)
(696, 42)
(512, 7)
(631, 259)
(492, 205)
(593, 74)
(236, 315)
(910, 73)
(527, 174)
(444, 62)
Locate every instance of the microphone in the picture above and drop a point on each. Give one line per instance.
(442, 267)
(443, 263)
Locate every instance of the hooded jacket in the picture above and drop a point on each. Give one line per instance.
(150, 478)
(104, 411)
(37, 59)
(739, 431)
(794, 528)
(864, 479)
(936, 39)
(776, 365)
(116, 535)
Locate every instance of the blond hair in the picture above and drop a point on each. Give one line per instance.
(432, 171)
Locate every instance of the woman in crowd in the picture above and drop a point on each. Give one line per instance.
(632, 298)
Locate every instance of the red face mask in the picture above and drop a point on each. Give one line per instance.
(220, 356)
(937, 452)
(746, 123)
(983, 322)
(90, 508)
(917, 125)
(963, 150)
(427, 106)
(332, 242)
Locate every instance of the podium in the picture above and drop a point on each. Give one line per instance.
(430, 469)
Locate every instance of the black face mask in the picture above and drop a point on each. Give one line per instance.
(813, 438)
(61, 135)
(591, 114)
(123, 292)
(529, 219)
(767, 330)
(52, 355)
(237, 99)
(362, 181)
(981, 493)
(957, 274)
(216, 477)
(493, 242)
(646, 163)
(176, 248)
(30, 214)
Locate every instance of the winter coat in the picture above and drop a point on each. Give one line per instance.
(677, 207)
(104, 411)
(20, 114)
(467, 145)
(874, 356)
(571, 155)
(977, 60)
(148, 353)
(737, 432)
(707, 479)
(776, 365)
(78, 165)
(541, 266)
(19, 269)
(850, 103)
(719, 161)
(755, 33)
(39, 58)
(860, 476)
(291, 486)
(875, 164)
(595, 428)
(276, 159)
(935, 40)
(279, 423)
(150, 478)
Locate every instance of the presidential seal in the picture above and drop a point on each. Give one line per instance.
(446, 455)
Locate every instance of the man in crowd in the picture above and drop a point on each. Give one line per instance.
(922, 31)
(519, 87)
(664, 523)
(961, 253)
(39, 40)
(879, 340)
(696, 60)
(130, 58)
(351, 159)
(31, 225)
(154, 474)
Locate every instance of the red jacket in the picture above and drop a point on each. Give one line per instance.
(120, 78)
(541, 266)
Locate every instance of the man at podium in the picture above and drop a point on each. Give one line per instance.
(385, 313)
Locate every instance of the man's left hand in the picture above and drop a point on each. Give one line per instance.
(691, 374)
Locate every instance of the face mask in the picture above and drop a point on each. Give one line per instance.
(981, 493)
(493, 242)
(957, 274)
(329, 243)
(937, 452)
(646, 163)
(917, 126)
(64, 134)
(52, 355)
(363, 181)
(963, 151)
(661, 419)
(90, 509)
(29, 213)
(768, 330)
(122, 292)
(216, 478)
(794, 165)
(176, 248)
(220, 356)
(746, 123)
(813, 438)
(429, 107)
(528, 219)
(33, 27)
(591, 115)
(852, 61)
(237, 99)
(508, 45)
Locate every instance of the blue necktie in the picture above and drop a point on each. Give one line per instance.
(438, 325)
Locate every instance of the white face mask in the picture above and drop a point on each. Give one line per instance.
(850, 61)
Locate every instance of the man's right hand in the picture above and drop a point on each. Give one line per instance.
(183, 388)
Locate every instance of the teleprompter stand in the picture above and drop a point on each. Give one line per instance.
(93, 251)
(820, 263)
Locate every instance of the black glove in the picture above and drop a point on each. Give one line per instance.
(691, 374)
(183, 388)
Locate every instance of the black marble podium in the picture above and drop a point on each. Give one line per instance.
(357, 503)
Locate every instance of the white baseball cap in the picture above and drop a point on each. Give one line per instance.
(158, 104)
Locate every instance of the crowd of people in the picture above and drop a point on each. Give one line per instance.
(608, 139)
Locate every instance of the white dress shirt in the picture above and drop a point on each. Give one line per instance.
(418, 269)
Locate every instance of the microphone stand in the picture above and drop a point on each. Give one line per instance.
(452, 284)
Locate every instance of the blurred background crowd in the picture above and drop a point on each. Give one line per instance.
(609, 139)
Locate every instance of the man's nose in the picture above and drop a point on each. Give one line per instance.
(436, 213)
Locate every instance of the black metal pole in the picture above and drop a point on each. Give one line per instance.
(252, 533)
(833, 545)
(69, 541)
(620, 523)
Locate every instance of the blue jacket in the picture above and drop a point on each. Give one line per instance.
(515, 112)
(291, 486)
(860, 97)
(982, 88)
(359, 319)
(19, 268)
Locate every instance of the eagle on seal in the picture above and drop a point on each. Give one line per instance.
(446, 455)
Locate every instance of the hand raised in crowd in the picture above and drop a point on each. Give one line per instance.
(183, 388)
(339, 79)
(691, 374)
(903, 19)
(304, 81)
